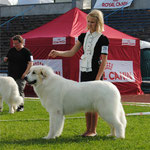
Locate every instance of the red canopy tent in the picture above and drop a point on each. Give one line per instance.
(61, 34)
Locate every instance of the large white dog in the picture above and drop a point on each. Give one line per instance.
(61, 96)
(10, 94)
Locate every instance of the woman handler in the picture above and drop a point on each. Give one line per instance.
(94, 59)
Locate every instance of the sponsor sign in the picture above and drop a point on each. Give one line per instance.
(59, 40)
(128, 42)
(119, 71)
(55, 64)
(110, 4)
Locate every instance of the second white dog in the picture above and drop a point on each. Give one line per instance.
(10, 94)
(61, 96)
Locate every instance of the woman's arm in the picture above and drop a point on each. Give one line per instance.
(68, 53)
(102, 67)
(30, 63)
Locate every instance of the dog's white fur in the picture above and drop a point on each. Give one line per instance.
(9, 93)
(61, 96)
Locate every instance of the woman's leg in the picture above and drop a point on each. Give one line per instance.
(91, 124)
(94, 120)
(91, 118)
(88, 123)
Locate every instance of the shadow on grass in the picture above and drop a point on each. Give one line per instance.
(60, 140)
(5, 112)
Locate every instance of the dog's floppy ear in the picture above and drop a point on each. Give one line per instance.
(43, 74)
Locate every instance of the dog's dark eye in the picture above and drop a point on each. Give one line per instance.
(33, 72)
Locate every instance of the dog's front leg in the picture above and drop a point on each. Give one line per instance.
(11, 109)
(55, 125)
(113, 131)
(15, 107)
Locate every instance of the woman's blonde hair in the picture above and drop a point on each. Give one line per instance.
(98, 15)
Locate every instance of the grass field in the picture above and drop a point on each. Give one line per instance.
(24, 131)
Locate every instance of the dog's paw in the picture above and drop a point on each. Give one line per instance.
(47, 138)
(120, 137)
(11, 112)
(110, 135)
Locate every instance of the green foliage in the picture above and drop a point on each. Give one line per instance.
(24, 131)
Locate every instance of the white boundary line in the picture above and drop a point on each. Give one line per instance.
(138, 114)
(39, 119)
(124, 103)
(130, 114)
(137, 104)
(14, 120)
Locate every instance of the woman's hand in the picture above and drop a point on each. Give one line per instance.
(65, 53)
(5, 59)
(53, 53)
(98, 77)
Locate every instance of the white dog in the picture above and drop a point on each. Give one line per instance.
(10, 94)
(61, 96)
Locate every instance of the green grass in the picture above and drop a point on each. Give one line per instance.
(24, 131)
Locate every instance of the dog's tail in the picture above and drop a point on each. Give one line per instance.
(123, 116)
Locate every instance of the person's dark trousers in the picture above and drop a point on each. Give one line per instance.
(21, 85)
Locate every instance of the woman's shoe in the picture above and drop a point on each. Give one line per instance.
(89, 134)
